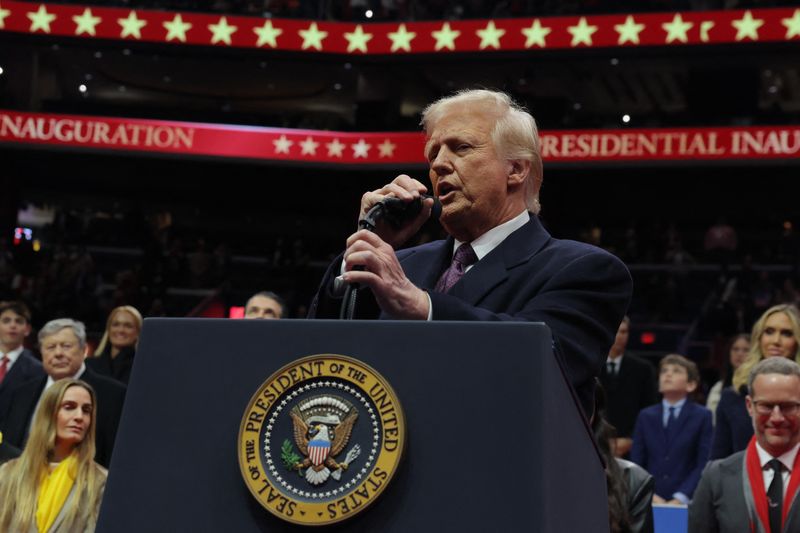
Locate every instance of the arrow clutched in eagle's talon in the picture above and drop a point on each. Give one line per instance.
(351, 456)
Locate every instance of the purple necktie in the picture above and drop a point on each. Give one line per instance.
(464, 257)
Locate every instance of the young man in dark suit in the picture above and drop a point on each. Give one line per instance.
(756, 489)
(630, 386)
(63, 347)
(672, 439)
(17, 363)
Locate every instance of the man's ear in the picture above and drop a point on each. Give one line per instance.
(27, 330)
(518, 171)
(691, 386)
(748, 402)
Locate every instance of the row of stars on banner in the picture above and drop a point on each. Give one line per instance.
(712, 27)
(334, 149)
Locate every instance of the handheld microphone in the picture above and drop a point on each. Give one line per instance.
(398, 212)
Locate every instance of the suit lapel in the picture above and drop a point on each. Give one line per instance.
(423, 266)
(493, 269)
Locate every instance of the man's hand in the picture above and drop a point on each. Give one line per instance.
(396, 295)
(404, 188)
(658, 499)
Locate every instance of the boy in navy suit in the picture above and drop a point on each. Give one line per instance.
(672, 440)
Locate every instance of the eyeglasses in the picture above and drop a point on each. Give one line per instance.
(786, 408)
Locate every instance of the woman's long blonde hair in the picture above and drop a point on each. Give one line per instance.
(19, 486)
(137, 317)
(755, 355)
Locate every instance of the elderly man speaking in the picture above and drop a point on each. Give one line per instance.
(499, 262)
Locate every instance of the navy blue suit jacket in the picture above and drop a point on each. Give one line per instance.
(734, 427)
(676, 463)
(26, 368)
(581, 292)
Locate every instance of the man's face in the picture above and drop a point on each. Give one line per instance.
(262, 307)
(62, 354)
(621, 340)
(674, 379)
(13, 330)
(777, 431)
(468, 175)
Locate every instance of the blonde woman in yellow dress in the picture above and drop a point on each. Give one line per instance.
(55, 486)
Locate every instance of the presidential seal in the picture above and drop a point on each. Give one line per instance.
(321, 439)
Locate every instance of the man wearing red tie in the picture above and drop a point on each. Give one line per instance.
(756, 490)
(499, 263)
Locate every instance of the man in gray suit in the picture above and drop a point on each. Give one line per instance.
(754, 490)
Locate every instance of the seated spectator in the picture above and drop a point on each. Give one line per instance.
(739, 346)
(17, 363)
(55, 485)
(630, 386)
(63, 347)
(114, 355)
(629, 486)
(672, 439)
(265, 304)
(775, 334)
(756, 489)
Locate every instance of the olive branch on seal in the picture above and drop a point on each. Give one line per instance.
(288, 455)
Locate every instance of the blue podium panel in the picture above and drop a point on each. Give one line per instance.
(495, 440)
(670, 518)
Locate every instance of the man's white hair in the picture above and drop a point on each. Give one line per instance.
(515, 134)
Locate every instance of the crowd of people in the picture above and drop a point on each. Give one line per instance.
(675, 439)
(60, 409)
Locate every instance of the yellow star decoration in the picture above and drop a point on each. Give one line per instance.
(357, 40)
(490, 36)
(308, 146)
(629, 31)
(582, 33)
(386, 148)
(445, 38)
(131, 26)
(747, 26)
(3, 14)
(535, 34)
(85, 23)
(40, 19)
(705, 27)
(677, 28)
(312, 37)
(792, 25)
(222, 31)
(267, 34)
(401, 39)
(177, 28)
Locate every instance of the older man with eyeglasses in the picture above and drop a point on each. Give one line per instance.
(755, 490)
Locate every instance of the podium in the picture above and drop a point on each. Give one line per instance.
(495, 440)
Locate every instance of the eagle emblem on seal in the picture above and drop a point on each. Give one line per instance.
(322, 428)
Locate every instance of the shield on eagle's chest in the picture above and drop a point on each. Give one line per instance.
(318, 451)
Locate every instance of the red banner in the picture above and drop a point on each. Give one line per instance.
(397, 148)
(525, 34)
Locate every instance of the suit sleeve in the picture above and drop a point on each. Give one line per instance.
(640, 506)
(702, 518)
(701, 454)
(722, 441)
(582, 304)
(639, 448)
